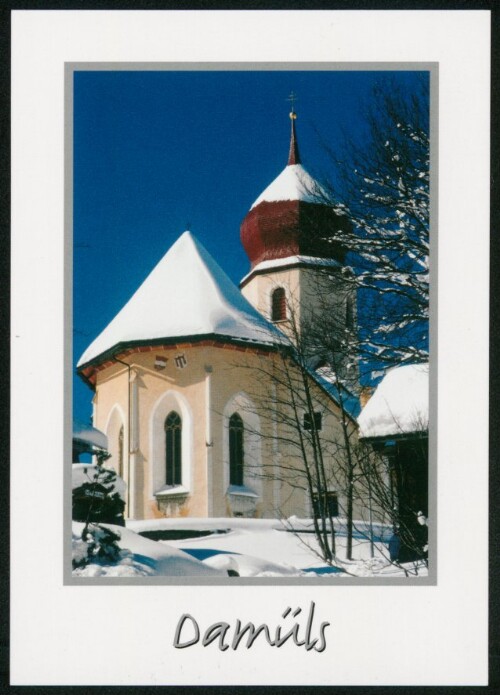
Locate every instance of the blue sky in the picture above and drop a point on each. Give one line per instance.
(158, 152)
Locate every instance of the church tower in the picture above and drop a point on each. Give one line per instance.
(292, 236)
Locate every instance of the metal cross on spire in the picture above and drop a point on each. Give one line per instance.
(293, 155)
(292, 98)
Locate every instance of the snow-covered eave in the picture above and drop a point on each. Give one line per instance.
(293, 183)
(398, 436)
(124, 348)
(289, 262)
(89, 436)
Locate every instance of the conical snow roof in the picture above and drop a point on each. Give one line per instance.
(294, 183)
(186, 294)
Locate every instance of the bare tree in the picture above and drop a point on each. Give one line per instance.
(308, 417)
(385, 195)
(383, 188)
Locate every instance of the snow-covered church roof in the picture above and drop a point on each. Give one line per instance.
(400, 404)
(186, 294)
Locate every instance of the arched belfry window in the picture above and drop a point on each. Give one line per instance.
(236, 453)
(120, 452)
(278, 304)
(173, 442)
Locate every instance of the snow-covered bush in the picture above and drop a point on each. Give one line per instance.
(96, 498)
(97, 544)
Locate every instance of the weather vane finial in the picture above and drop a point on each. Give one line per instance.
(293, 154)
(292, 98)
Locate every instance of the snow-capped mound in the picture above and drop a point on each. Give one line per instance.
(186, 294)
(400, 404)
(89, 436)
(140, 557)
(294, 183)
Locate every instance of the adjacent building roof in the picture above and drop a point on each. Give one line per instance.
(186, 294)
(88, 435)
(400, 404)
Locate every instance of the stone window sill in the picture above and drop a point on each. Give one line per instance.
(172, 491)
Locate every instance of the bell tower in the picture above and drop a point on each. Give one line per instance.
(292, 235)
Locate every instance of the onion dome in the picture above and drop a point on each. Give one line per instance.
(293, 216)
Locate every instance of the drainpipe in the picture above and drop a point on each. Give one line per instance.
(370, 512)
(208, 438)
(276, 454)
(129, 426)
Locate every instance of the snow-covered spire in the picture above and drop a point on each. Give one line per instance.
(294, 182)
(293, 154)
(293, 216)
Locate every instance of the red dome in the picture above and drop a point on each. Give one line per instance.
(290, 219)
(285, 228)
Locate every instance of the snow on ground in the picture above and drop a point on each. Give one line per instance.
(264, 548)
(140, 557)
(400, 403)
(235, 546)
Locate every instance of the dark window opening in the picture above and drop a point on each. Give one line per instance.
(325, 505)
(236, 452)
(173, 443)
(120, 452)
(278, 304)
(318, 421)
(349, 314)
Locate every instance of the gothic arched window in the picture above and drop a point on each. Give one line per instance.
(278, 304)
(236, 452)
(120, 452)
(173, 441)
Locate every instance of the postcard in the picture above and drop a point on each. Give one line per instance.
(245, 266)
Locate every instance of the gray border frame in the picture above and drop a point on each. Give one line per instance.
(69, 69)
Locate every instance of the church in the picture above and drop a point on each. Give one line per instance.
(188, 376)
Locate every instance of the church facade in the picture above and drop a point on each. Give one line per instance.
(188, 377)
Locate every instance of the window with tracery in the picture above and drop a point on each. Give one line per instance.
(173, 453)
(236, 450)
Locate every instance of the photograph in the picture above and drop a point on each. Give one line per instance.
(251, 322)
